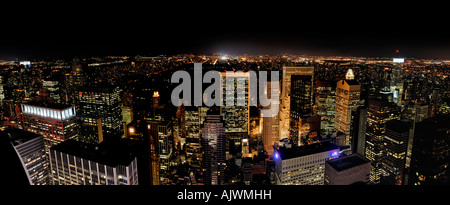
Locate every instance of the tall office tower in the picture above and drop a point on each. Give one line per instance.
(271, 126)
(301, 102)
(2, 89)
(285, 104)
(419, 113)
(139, 131)
(77, 73)
(358, 130)
(325, 94)
(100, 113)
(193, 119)
(161, 131)
(436, 101)
(108, 163)
(54, 90)
(76, 78)
(379, 112)
(155, 165)
(213, 149)
(303, 165)
(56, 122)
(348, 93)
(394, 157)
(142, 103)
(30, 149)
(235, 109)
(431, 152)
(347, 170)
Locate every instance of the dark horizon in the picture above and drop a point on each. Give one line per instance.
(170, 42)
(323, 30)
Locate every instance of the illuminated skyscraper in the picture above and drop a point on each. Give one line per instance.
(53, 88)
(193, 119)
(380, 111)
(303, 165)
(76, 78)
(347, 100)
(213, 150)
(235, 94)
(303, 86)
(140, 131)
(100, 112)
(394, 156)
(325, 105)
(161, 131)
(56, 122)
(271, 125)
(300, 105)
(30, 148)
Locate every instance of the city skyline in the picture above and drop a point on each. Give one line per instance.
(361, 93)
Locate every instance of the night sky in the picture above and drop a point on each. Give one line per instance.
(418, 31)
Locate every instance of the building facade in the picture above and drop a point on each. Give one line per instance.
(55, 122)
(430, 155)
(303, 165)
(235, 108)
(30, 148)
(100, 113)
(213, 150)
(379, 112)
(300, 105)
(285, 103)
(395, 148)
(347, 170)
(78, 163)
(325, 105)
(347, 100)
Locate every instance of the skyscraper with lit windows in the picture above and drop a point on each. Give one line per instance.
(79, 163)
(395, 148)
(30, 148)
(193, 120)
(56, 122)
(100, 112)
(285, 103)
(300, 105)
(325, 94)
(380, 111)
(162, 133)
(235, 109)
(348, 93)
(213, 150)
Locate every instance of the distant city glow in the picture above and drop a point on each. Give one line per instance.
(26, 64)
(398, 60)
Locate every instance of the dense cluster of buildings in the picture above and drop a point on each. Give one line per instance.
(341, 121)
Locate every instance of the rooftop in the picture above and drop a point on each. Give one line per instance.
(288, 153)
(347, 162)
(111, 153)
(18, 136)
(397, 126)
(56, 106)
